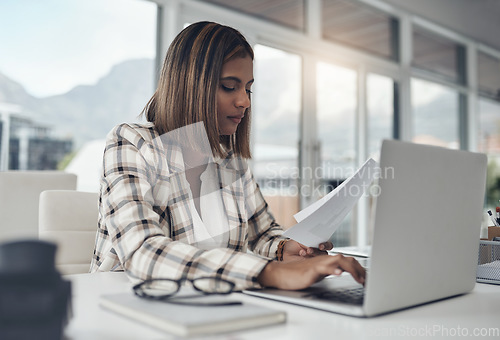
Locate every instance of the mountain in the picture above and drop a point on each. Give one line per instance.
(14, 93)
(89, 112)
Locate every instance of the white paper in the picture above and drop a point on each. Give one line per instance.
(318, 222)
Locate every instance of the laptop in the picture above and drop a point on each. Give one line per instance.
(426, 228)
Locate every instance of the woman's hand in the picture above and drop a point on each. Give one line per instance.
(293, 251)
(301, 274)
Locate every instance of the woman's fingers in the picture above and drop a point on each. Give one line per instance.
(325, 246)
(335, 265)
(302, 274)
(350, 265)
(305, 251)
(311, 251)
(339, 262)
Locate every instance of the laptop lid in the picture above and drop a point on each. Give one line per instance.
(426, 225)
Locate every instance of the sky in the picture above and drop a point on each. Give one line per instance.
(50, 46)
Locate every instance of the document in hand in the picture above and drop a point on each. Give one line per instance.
(318, 222)
(185, 320)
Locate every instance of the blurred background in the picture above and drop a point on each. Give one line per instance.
(333, 79)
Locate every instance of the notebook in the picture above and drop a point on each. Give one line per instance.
(426, 226)
(185, 320)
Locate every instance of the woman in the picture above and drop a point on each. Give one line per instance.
(158, 217)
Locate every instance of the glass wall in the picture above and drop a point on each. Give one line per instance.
(79, 75)
(380, 111)
(488, 136)
(435, 114)
(336, 124)
(69, 72)
(364, 35)
(489, 143)
(276, 110)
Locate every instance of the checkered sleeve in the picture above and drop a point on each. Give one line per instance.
(264, 234)
(139, 237)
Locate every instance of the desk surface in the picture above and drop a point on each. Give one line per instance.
(476, 313)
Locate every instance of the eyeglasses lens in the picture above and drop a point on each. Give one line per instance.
(210, 285)
(158, 288)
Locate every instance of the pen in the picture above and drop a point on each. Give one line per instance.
(493, 219)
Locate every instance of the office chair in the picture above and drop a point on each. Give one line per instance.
(19, 195)
(69, 219)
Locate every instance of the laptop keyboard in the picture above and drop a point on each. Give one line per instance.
(353, 296)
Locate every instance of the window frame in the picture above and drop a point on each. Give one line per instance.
(311, 47)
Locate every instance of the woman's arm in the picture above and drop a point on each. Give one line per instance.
(139, 236)
(302, 265)
(265, 234)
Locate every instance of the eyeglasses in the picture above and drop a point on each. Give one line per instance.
(165, 289)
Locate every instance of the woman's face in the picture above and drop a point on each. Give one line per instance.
(233, 94)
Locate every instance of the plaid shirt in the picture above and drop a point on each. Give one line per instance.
(145, 224)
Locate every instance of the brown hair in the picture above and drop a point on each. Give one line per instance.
(189, 80)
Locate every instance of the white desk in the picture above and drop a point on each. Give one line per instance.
(474, 312)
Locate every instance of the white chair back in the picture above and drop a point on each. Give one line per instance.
(69, 219)
(19, 195)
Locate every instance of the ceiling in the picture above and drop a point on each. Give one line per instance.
(476, 19)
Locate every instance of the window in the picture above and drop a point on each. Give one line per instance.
(380, 104)
(276, 110)
(361, 27)
(488, 68)
(336, 117)
(435, 114)
(489, 127)
(368, 32)
(489, 143)
(289, 13)
(83, 67)
(438, 55)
